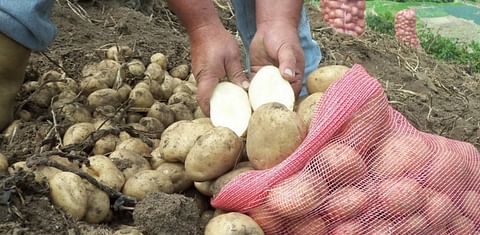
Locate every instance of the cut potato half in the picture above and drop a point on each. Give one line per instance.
(269, 86)
(230, 107)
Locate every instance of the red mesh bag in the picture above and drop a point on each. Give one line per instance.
(345, 16)
(363, 169)
(406, 27)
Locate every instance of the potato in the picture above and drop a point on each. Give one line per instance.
(25, 115)
(98, 204)
(135, 145)
(147, 181)
(44, 173)
(154, 87)
(50, 76)
(75, 113)
(104, 170)
(30, 86)
(141, 98)
(315, 225)
(268, 86)
(180, 71)
(415, 224)
(11, 129)
(223, 180)
(153, 126)
(77, 133)
(348, 227)
(68, 192)
(345, 203)
(213, 154)
(273, 133)
(306, 108)
(204, 187)
(18, 166)
(439, 208)
(461, 225)
(394, 160)
(124, 92)
(183, 98)
(160, 59)
(184, 88)
(167, 87)
(470, 205)
(343, 165)
(292, 197)
(134, 118)
(268, 220)
(104, 97)
(155, 72)
(321, 78)
(136, 67)
(156, 158)
(178, 139)
(176, 174)
(232, 223)
(43, 97)
(162, 112)
(108, 64)
(400, 197)
(446, 173)
(119, 52)
(129, 162)
(107, 75)
(3, 164)
(91, 84)
(181, 111)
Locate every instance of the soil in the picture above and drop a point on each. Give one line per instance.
(436, 97)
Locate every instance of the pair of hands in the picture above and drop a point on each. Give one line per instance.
(215, 55)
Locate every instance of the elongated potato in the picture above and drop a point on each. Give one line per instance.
(213, 154)
(147, 181)
(162, 112)
(273, 133)
(232, 223)
(105, 171)
(135, 145)
(104, 97)
(68, 192)
(320, 79)
(98, 204)
(129, 162)
(77, 133)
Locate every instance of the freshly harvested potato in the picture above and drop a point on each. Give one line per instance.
(348, 227)
(43, 97)
(321, 78)
(461, 225)
(191, 79)
(136, 67)
(119, 52)
(306, 108)
(232, 223)
(134, 117)
(160, 59)
(153, 125)
(91, 84)
(154, 71)
(176, 174)
(30, 86)
(315, 225)
(129, 162)
(439, 208)
(183, 88)
(345, 203)
(141, 98)
(156, 158)
(178, 139)
(3, 164)
(274, 132)
(162, 112)
(135, 145)
(183, 98)
(77, 133)
(155, 88)
(44, 173)
(76, 112)
(204, 187)
(98, 204)
(104, 170)
(124, 92)
(182, 112)
(213, 154)
(401, 196)
(268, 220)
(198, 113)
(147, 181)
(18, 166)
(68, 192)
(167, 87)
(217, 185)
(180, 71)
(104, 97)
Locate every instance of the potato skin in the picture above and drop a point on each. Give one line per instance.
(129, 162)
(233, 223)
(274, 132)
(213, 154)
(104, 170)
(104, 97)
(221, 181)
(77, 133)
(135, 145)
(162, 112)
(98, 204)
(321, 78)
(306, 108)
(147, 181)
(68, 192)
(176, 174)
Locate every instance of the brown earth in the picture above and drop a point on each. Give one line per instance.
(436, 97)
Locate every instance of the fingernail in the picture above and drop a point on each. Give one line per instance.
(245, 84)
(288, 72)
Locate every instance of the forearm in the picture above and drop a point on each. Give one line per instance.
(285, 11)
(196, 14)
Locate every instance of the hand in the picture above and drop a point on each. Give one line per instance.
(215, 55)
(277, 43)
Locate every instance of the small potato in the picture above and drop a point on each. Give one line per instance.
(104, 170)
(136, 67)
(160, 59)
(104, 97)
(204, 187)
(129, 162)
(141, 98)
(274, 132)
(77, 133)
(50, 76)
(191, 79)
(148, 181)
(213, 154)
(183, 98)
(91, 84)
(124, 92)
(217, 185)
(320, 79)
(178, 139)
(108, 64)
(134, 117)
(45, 173)
(180, 71)
(156, 159)
(43, 97)
(461, 225)
(162, 112)
(3, 164)
(135, 145)
(167, 87)
(182, 112)
(155, 72)
(306, 108)
(153, 126)
(98, 204)
(232, 223)
(155, 88)
(176, 174)
(119, 52)
(68, 192)
(18, 166)
(269, 220)
(75, 112)
(183, 88)
(400, 197)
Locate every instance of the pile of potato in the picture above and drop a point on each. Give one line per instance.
(406, 27)
(346, 16)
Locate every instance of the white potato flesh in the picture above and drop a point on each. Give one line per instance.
(269, 86)
(230, 107)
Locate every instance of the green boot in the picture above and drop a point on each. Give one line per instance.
(13, 62)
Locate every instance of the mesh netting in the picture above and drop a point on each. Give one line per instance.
(345, 16)
(406, 27)
(363, 169)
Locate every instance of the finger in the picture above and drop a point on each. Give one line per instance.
(236, 75)
(297, 87)
(205, 87)
(287, 62)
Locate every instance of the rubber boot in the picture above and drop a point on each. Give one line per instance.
(13, 62)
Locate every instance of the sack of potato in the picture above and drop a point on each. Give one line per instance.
(345, 16)
(406, 27)
(359, 167)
